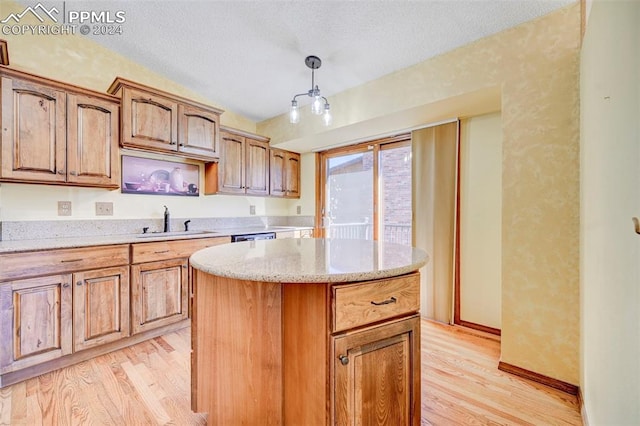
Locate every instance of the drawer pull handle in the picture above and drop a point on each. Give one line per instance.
(385, 302)
(344, 360)
(70, 260)
(161, 251)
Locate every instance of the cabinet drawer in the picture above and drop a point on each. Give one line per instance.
(163, 250)
(35, 263)
(359, 304)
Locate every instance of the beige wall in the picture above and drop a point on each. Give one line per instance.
(78, 60)
(610, 186)
(481, 220)
(533, 69)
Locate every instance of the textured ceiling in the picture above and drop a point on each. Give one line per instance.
(248, 56)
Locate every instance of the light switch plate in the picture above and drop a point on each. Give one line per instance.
(298, 209)
(252, 209)
(104, 208)
(64, 208)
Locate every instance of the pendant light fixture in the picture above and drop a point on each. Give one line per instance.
(319, 105)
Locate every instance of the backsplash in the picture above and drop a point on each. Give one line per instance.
(43, 229)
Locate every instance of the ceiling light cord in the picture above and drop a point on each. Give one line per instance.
(320, 104)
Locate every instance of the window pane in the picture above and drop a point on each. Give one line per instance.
(395, 195)
(349, 206)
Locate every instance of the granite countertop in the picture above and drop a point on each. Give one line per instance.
(77, 242)
(309, 260)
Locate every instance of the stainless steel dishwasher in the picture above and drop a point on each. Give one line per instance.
(252, 237)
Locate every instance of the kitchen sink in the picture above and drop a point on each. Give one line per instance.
(173, 234)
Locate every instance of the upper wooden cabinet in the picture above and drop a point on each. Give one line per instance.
(57, 133)
(244, 163)
(284, 173)
(157, 121)
(249, 166)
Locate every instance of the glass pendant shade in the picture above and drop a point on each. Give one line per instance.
(294, 114)
(326, 117)
(316, 106)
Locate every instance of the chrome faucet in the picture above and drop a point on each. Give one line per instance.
(167, 220)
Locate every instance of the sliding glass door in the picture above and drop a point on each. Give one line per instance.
(348, 211)
(395, 193)
(365, 191)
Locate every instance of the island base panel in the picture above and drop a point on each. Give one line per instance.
(238, 344)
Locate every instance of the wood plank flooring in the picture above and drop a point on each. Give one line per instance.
(148, 384)
(461, 384)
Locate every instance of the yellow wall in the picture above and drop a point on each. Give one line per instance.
(535, 68)
(610, 182)
(78, 60)
(531, 70)
(481, 220)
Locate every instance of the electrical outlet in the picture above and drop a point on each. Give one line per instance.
(64, 208)
(104, 208)
(298, 209)
(252, 209)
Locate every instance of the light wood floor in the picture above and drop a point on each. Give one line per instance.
(461, 385)
(148, 384)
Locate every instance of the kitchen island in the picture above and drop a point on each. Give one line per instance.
(306, 332)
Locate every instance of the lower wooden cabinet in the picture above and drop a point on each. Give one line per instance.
(48, 317)
(100, 307)
(160, 281)
(377, 375)
(288, 339)
(59, 307)
(160, 292)
(36, 321)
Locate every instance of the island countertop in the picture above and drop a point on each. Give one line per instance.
(309, 260)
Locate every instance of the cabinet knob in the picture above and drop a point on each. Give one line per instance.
(72, 173)
(172, 143)
(344, 360)
(79, 283)
(61, 172)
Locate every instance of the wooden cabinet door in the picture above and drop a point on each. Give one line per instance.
(92, 141)
(33, 131)
(284, 173)
(231, 170)
(292, 174)
(277, 173)
(149, 121)
(159, 294)
(36, 321)
(377, 375)
(100, 307)
(199, 132)
(257, 167)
